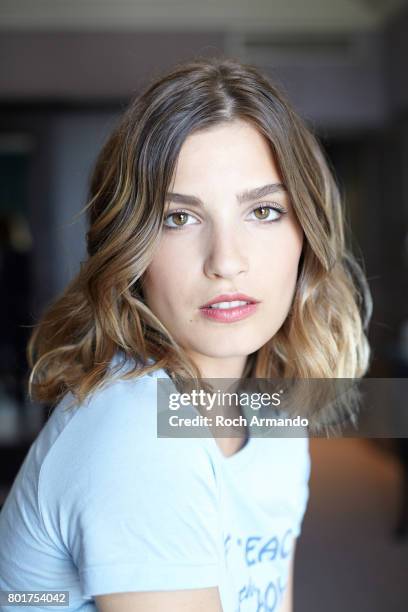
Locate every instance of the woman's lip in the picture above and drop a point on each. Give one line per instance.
(229, 315)
(230, 297)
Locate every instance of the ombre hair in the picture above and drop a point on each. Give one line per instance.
(103, 311)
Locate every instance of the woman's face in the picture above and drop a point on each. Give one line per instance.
(227, 240)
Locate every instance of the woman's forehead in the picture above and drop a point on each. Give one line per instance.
(233, 151)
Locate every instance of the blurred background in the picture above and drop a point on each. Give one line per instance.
(68, 68)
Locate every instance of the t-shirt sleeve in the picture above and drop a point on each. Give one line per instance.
(143, 510)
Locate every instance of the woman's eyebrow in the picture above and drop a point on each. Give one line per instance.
(245, 196)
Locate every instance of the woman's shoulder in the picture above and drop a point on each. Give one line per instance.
(119, 396)
(117, 425)
(108, 466)
(109, 447)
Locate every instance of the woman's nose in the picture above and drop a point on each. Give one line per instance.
(225, 255)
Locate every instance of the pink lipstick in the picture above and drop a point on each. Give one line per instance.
(228, 308)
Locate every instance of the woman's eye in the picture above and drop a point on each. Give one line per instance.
(268, 213)
(180, 219)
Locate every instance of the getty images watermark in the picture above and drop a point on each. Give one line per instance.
(219, 408)
(278, 407)
(210, 401)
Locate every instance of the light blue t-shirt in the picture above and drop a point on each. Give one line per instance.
(101, 504)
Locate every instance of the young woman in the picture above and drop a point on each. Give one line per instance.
(211, 190)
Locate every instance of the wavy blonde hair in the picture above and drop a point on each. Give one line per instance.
(103, 311)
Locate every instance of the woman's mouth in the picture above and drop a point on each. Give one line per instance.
(229, 312)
